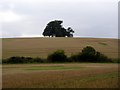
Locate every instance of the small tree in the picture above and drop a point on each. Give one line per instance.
(57, 56)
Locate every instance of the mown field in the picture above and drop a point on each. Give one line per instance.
(69, 75)
(41, 47)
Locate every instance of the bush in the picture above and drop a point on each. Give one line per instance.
(57, 56)
(101, 58)
(38, 60)
(75, 58)
(89, 54)
(17, 59)
(116, 60)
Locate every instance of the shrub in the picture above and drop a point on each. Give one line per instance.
(38, 60)
(102, 58)
(75, 58)
(57, 56)
(89, 50)
(116, 60)
(17, 59)
(89, 54)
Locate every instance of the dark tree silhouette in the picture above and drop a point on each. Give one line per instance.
(70, 32)
(54, 28)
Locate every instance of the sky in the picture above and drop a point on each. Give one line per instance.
(88, 18)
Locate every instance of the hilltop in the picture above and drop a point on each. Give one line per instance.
(41, 47)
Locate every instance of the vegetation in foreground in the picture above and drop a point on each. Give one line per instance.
(88, 54)
(77, 75)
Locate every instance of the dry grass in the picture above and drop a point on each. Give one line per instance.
(89, 75)
(74, 75)
(41, 47)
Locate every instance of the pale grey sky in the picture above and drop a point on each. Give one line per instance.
(88, 18)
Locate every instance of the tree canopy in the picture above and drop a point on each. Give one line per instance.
(54, 28)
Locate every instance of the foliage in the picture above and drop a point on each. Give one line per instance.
(17, 59)
(88, 54)
(74, 58)
(115, 60)
(54, 28)
(99, 57)
(57, 56)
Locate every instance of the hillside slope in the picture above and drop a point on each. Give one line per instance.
(41, 47)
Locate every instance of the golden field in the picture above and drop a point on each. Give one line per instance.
(59, 75)
(41, 47)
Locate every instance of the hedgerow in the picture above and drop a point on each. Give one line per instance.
(88, 54)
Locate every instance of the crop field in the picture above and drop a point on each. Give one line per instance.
(64, 75)
(58, 75)
(41, 47)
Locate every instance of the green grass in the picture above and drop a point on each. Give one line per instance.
(52, 68)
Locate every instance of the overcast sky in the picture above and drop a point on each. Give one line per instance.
(88, 18)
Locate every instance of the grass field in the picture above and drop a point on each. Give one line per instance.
(69, 75)
(41, 47)
(64, 75)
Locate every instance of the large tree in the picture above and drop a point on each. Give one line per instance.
(54, 28)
